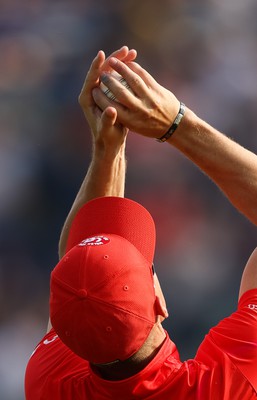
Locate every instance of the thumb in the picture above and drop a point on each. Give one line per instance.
(109, 117)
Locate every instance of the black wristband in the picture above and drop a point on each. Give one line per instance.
(175, 124)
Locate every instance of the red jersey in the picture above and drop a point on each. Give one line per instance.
(225, 367)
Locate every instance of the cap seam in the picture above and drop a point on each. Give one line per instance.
(96, 299)
(117, 273)
(64, 284)
(120, 309)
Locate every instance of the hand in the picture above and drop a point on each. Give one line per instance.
(150, 111)
(105, 129)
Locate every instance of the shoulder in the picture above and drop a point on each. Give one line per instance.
(52, 361)
(232, 344)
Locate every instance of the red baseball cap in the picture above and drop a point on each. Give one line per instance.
(102, 301)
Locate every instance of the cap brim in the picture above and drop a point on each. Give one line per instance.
(116, 215)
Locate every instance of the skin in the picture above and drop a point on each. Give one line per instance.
(150, 111)
(106, 173)
(108, 144)
(106, 177)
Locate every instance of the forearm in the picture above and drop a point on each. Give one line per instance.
(229, 165)
(151, 109)
(105, 177)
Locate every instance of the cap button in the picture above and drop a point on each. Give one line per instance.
(82, 293)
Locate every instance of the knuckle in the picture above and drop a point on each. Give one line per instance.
(120, 92)
(135, 81)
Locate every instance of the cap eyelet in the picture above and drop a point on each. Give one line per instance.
(125, 287)
(108, 329)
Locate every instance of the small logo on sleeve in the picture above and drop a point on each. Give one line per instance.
(48, 341)
(253, 307)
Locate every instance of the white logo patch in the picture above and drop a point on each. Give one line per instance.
(253, 307)
(94, 241)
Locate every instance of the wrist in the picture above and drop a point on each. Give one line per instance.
(108, 153)
(186, 129)
(175, 124)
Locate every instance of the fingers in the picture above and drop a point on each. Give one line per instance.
(122, 69)
(91, 109)
(109, 117)
(136, 68)
(135, 82)
(119, 96)
(123, 54)
(132, 55)
(111, 132)
(98, 65)
(120, 53)
(102, 101)
(147, 78)
(92, 79)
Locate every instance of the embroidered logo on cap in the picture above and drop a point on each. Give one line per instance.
(94, 241)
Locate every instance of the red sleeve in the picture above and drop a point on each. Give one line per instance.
(237, 336)
(52, 369)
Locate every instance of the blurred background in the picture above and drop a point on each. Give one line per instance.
(205, 51)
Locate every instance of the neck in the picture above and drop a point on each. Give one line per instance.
(137, 362)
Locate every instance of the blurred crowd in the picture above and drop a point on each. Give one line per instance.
(205, 51)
